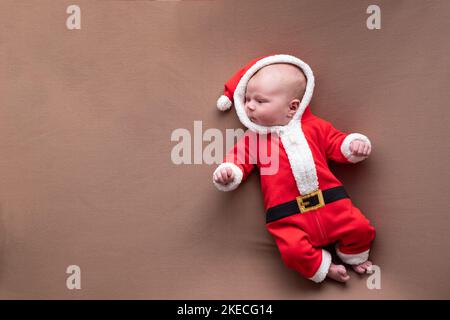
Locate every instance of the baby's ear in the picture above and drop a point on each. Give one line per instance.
(293, 107)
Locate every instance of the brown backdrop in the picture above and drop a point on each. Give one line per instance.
(86, 117)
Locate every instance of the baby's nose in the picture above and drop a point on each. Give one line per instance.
(250, 107)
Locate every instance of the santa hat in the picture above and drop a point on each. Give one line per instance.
(235, 88)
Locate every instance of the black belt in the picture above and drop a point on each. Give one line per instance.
(302, 204)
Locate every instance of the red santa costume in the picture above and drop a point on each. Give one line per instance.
(307, 207)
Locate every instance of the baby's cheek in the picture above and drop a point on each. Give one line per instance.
(266, 120)
(269, 116)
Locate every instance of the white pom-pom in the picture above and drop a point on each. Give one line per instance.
(223, 103)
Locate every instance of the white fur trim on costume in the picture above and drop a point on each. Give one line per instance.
(345, 147)
(238, 174)
(224, 103)
(300, 158)
(322, 272)
(353, 258)
(239, 93)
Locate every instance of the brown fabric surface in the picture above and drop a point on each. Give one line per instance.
(86, 117)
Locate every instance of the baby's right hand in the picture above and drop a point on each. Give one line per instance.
(224, 176)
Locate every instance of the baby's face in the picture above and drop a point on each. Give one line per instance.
(274, 94)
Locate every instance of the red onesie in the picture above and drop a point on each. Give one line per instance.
(307, 207)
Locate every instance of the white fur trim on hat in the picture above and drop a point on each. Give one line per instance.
(224, 103)
(353, 258)
(238, 174)
(239, 93)
(345, 147)
(322, 272)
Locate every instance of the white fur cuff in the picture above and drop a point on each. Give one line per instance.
(238, 174)
(322, 272)
(345, 147)
(353, 258)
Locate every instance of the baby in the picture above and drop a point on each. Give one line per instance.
(307, 206)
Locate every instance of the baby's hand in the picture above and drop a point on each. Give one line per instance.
(360, 148)
(224, 176)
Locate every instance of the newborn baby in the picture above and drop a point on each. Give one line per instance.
(307, 206)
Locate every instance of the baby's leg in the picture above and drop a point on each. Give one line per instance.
(299, 254)
(354, 245)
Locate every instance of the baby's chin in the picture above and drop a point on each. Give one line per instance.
(265, 123)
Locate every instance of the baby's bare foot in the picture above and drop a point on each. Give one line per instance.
(363, 267)
(338, 273)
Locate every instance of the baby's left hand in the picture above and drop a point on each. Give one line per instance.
(360, 148)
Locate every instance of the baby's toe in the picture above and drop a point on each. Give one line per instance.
(359, 269)
(345, 278)
(368, 266)
(341, 270)
(343, 273)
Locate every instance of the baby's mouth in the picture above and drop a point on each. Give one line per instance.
(252, 118)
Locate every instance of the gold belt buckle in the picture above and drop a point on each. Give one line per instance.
(302, 203)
